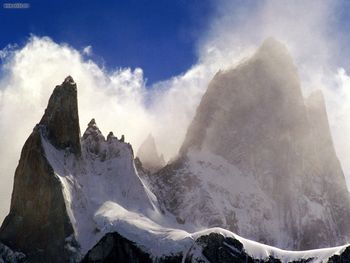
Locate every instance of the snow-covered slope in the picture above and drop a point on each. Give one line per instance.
(103, 194)
(214, 245)
(104, 172)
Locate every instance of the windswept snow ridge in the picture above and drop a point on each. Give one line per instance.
(104, 172)
(105, 194)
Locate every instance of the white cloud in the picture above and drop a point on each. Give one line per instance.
(87, 50)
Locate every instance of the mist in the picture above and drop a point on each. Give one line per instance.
(120, 100)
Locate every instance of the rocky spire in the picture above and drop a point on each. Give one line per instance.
(93, 130)
(149, 156)
(61, 117)
(266, 86)
(38, 223)
(111, 137)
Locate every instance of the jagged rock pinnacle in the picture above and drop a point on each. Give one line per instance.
(266, 83)
(149, 156)
(38, 219)
(61, 118)
(69, 80)
(93, 130)
(111, 136)
(92, 123)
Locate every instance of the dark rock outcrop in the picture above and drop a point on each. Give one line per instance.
(342, 258)
(217, 248)
(115, 248)
(38, 223)
(212, 247)
(9, 256)
(61, 117)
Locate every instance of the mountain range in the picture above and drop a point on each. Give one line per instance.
(257, 170)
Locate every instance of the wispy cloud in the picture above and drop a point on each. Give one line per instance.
(87, 50)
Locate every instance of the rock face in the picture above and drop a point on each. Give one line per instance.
(259, 160)
(9, 256)
(38, 223)
(344, 257)
(61, 117)
(217, 248)
(149, 156)
(115, 248)
(211, 247)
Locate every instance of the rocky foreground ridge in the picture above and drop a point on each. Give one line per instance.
(258, 160)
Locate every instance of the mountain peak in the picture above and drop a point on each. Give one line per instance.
(69, 80)
(276, 57)
(148, 154)
(266, 85)
(38, 223)
(271, 43)
(61, 118)
(92, 123)
(93, 130)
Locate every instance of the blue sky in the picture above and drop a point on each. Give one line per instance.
(158, 36)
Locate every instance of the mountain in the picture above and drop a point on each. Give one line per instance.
(64, 182)
(258, 159)
(148, 155)
(71, 190)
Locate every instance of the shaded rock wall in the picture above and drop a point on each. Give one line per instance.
(38, 223)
